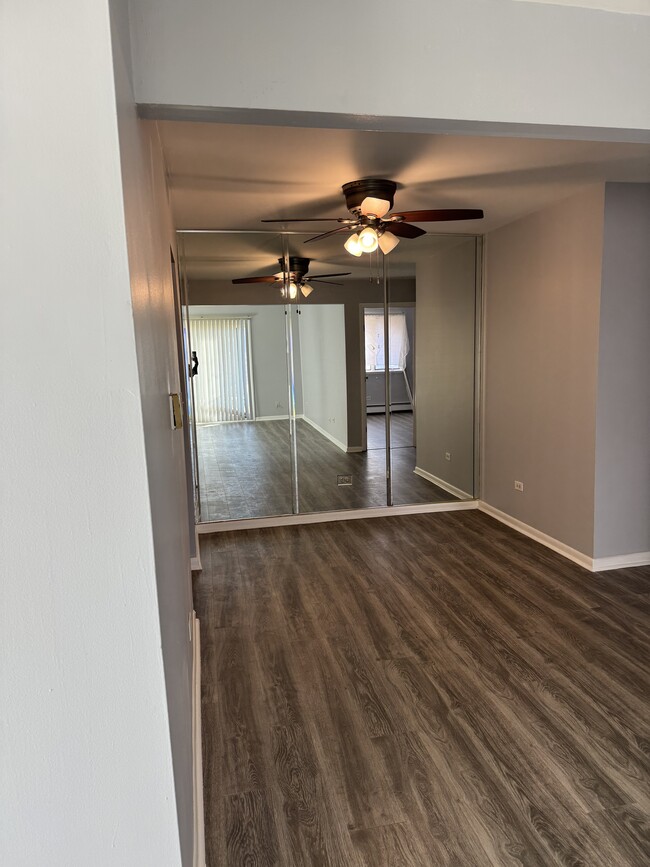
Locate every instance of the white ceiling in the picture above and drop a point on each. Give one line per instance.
(229, 176)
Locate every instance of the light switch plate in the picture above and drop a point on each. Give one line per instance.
(175, 411)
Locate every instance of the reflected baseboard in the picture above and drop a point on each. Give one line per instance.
(440, 483)
(323, 517)
(326, 434)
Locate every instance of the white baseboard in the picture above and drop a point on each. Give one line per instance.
(624, 561)
(324, 517)
(325, 433)
(462, 495)
(599, 564)
(526, 530)
(272, 418)
(197, 749)
(353, 450)
(195, 562)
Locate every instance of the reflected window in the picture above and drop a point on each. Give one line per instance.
(397, 337)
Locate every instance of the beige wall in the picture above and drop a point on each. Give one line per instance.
(542, 299)
(444, 364)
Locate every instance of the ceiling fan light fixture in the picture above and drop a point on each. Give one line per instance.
(371, 206)
(368, 239)
(289, 291)
(387, 242)
(306, 289)
(353, 246)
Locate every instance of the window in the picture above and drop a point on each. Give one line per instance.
(398, 340)
(223, 386)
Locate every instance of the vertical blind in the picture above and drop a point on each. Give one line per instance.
(223, 387)
(398, 341)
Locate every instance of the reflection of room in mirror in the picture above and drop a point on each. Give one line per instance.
(250, 393)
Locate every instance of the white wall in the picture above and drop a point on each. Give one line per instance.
(464, 61)
(542, 304)
(87, 768)
(445, 362)
(150, 241)
(324, 372)
(269, 352)
(622, 519)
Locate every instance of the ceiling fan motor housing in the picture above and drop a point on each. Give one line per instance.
(298, 266)
(377, 188)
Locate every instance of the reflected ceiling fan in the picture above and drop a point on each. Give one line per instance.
(371, 225)
(298, 279)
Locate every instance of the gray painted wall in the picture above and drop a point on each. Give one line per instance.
(150, 239)
(87, 775)
(444, 361)
(190, 54)
(323, 358)
(622, 500)
(542, 305)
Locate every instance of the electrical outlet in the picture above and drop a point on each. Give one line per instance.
(519, 486)
(343, 480)
(447, 456)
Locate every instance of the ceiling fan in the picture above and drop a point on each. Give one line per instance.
(298, 279)
(371, 225)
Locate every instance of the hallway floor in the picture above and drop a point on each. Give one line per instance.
(417, 691)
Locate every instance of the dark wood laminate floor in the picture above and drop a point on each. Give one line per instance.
(421, 690)
(401, 430)
(245, 472)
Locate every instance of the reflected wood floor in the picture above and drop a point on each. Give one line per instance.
(401, 430)
(420, 690)
(245, 472)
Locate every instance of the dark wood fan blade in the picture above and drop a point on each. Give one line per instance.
(404, 230)
(268, 279)
(439, 216)
(310, 220)
(327, 234)
(318, 280)
(320, 276)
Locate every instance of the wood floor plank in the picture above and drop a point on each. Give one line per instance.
(424, 690)
(249, 835)
(390, 846)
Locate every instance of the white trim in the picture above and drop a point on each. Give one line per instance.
(462, 495)
(195, 562)
(600, 564)
(324, 433)
(197, 750)
(323, 517)
(525, 529)
(623, 561)
(353, 450)
(272, 418)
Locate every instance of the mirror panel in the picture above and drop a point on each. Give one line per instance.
(335, 469)
(241, 390)
(433, 354)
(291, 396)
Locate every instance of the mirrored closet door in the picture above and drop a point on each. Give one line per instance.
(310, 361)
